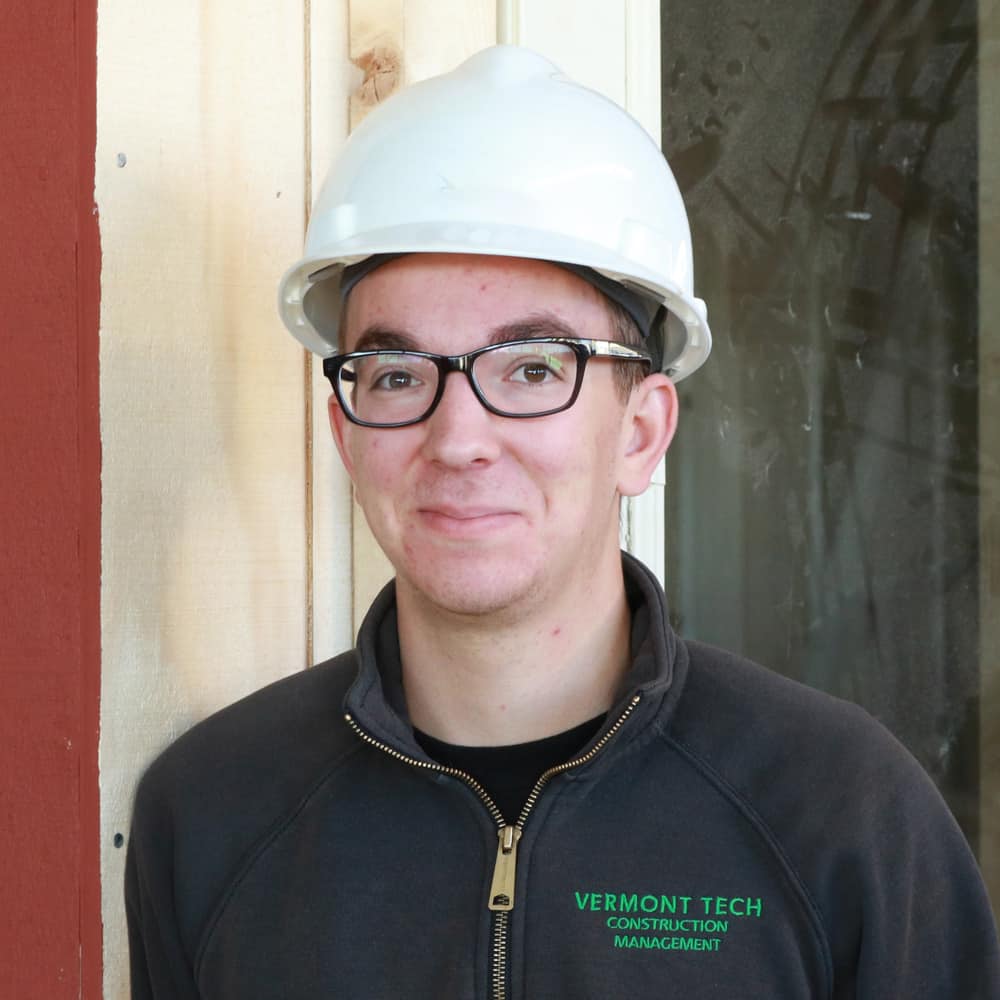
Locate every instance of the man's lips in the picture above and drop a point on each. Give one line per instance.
(463, 513)
(466, 521)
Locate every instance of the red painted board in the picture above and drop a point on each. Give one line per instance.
(50, 938)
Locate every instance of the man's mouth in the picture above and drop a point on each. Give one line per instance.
(465, 520)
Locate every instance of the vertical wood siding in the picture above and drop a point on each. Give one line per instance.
(211, 485)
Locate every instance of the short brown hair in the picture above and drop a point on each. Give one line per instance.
(625, 330)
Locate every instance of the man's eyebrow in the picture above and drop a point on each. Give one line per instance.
(531, 328)
(380, 338)
(534, 327)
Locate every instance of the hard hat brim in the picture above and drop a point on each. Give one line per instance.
(309, 300)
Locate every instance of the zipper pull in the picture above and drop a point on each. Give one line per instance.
(502, 889)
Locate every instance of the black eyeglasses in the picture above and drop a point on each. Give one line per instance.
(520, 378)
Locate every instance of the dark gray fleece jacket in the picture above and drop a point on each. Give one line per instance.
(728, 834)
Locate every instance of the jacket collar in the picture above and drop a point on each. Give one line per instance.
(377, 703)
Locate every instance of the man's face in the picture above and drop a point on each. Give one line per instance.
(482, 514)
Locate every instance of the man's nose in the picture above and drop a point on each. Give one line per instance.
(461, 431)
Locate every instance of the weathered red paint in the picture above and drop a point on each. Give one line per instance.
(50, 931)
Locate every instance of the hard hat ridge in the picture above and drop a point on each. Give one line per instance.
(507, 156)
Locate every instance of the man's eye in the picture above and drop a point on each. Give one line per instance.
(395, 381)
(538, 368)
(533, 373)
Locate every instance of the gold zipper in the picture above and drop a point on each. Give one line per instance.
(501, 900)
(505, 870)
(428, 765)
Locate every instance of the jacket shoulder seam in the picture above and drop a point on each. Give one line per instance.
(263, 845)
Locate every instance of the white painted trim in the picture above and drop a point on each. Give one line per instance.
(509, 23)
(642, 63)
(646, 513)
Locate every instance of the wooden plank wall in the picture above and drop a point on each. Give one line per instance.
(230, 552)
(212, 486)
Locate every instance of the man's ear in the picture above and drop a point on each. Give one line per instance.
(647, 430)
(341, 428)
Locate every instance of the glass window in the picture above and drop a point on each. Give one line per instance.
(832, 494)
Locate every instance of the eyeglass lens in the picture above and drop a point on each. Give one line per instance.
(516, 379)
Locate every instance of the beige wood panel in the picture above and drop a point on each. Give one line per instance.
(398, 42)
(201, 185)
(584, 38)
(394, 43)
(331, 77)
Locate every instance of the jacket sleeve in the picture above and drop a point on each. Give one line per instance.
(881, 866)
(158, 961)
(922, 925)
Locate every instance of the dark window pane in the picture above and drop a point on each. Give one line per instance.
(826, 492)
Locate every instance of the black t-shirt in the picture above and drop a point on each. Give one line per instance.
(509, 773)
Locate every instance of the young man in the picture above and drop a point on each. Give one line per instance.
(522, 783)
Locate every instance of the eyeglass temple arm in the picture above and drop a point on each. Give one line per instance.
(608, 349)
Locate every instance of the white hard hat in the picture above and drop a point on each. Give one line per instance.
(505, 156)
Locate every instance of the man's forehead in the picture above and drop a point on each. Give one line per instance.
(469, 268)
(509, 298)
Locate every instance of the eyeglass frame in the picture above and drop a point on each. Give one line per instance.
(584, 349)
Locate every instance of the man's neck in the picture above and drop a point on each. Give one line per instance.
(489, 682)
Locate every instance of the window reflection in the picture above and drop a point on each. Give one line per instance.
(832, 495)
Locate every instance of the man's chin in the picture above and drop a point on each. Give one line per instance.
(476, 593)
